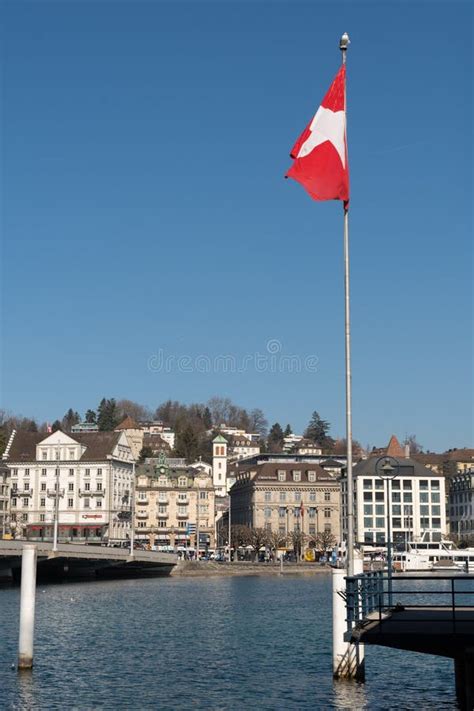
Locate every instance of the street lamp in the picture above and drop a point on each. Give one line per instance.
(387, 471)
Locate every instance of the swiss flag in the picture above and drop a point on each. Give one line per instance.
(320, 153)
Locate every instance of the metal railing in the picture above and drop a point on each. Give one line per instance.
(373, 592)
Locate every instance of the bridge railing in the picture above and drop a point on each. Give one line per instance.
(370, 595)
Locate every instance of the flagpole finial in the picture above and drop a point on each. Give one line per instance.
(344, 42)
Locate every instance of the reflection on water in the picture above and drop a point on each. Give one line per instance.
(216, 644)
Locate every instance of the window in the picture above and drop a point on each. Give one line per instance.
(327, 513)
(424, 510)
(99, 472)
(396, 496)
(379, 496)
(367, 483)
(25, 503)
(312, 496)
(182, 524)
(268, 496)
(281, 476)
(163, 509)
(436, 523)
(268, 512)
(327, 527)
(297, 495)
(204, 509)
(43, 486)
(368, 509)
(435, 484)
(162, 496)
(71, 472)
(436, 510)
(42, 517)
(164, 524)
(424, 484)
(14, 503)
(312, 512)
(70, 486)
(312, 529)
(368, 522)
(379, 509)
(87, 472)
(44, 454)
(87, 486)
(296, 512)
(70, 503)
(407, 484)
(311, 476)
(327, 496)
(203, 494)
(24, 518)
(27, 485)
(27, 472)
(182, 511)
(57, 455)
(71, 454)
(424, 497)
(368, 496)
(42, 502)
(379, 484)
(396, 523)
(98, 504)
(396, 484)
(396, 510)
(408, 497)
(281, 530)
(182, 481)
(281, 512)
(87, 503)
(282, 496)
(435, 497)
(296, 476)
(44, 472)
(379, 523)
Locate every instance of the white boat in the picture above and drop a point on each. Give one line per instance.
(433, 556)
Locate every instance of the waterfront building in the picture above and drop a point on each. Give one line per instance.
(416, 506)
(4, 498)
(172, 502)
(286, 496)
(461, 505)
(94, 473)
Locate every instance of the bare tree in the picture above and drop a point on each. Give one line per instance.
(257, 538)
(134, 410)
(276, 540)
(414, 445)
(324, 541)
(297, 540)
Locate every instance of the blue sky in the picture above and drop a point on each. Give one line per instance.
(145, 210)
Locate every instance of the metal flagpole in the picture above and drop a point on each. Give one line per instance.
(132, 511)
(343, 44)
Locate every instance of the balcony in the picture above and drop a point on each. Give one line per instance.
(163, 499)
(51, 493)
(141, 514)
(183, 501)
(183, 514)
(22, 492)
(91, 492)
(142, 501)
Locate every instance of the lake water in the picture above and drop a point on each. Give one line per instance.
(201, 643)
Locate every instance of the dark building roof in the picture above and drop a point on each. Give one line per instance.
(268, 471)
(156, 442)
(408, 467)
(332, 463)
(98, 445)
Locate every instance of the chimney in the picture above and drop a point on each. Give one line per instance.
(407, 451)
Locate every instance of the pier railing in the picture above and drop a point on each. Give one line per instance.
(369, 596)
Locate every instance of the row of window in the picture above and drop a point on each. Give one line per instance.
(86, 503)
(44, 472)
(379, 509)
(296, 475)
(405, 484)
(87, 486)
(296, 511)
(296, 495)
(396, 521)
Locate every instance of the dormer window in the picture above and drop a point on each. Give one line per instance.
(311, 476)
(71, 454)
(296, 476)
(44, 454)
(182, 481)
(281, 476)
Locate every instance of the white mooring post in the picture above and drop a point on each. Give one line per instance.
(27, 607)
(347, 659)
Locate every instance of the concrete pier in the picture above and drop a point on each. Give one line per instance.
(347, 658)
(27, 607)
(464, 678)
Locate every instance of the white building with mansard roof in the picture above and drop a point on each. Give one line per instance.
(94, 470)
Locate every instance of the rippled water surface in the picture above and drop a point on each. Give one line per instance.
(196, 643)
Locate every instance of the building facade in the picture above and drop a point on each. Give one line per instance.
(92, 473)
(173, 502)
(413, 502)
(219, 465)
(284, 497)
(461, 505)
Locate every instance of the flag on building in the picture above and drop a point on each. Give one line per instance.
(320, 153)
(301, 509)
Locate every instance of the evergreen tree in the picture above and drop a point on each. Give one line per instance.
(187, 444)
(318, 430)
(275, 438)
(288, 431)
(55, 426)
(91, 417)
(108, 415)
(70, 418)
(207, 418)
(145, 452)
